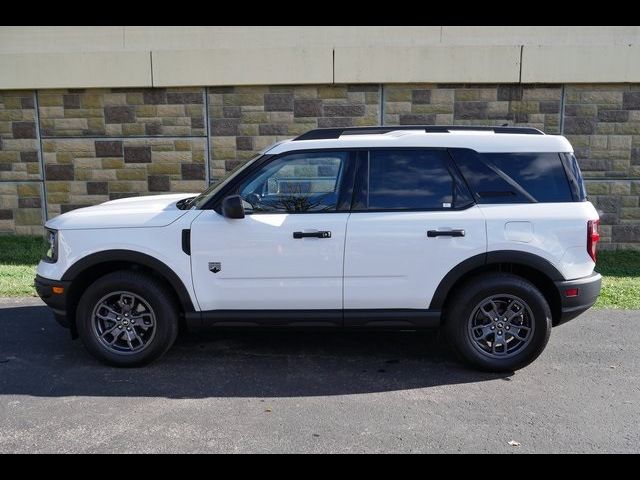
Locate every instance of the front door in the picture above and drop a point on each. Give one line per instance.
(413, 222)
(288, 251)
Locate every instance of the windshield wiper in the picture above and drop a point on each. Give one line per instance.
(185, 203)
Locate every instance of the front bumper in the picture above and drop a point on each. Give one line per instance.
(56, 301)
(588, 289)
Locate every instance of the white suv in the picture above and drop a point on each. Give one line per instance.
(484, 231)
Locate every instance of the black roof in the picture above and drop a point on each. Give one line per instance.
(328, 133)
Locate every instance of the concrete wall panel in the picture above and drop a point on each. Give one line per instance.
(251, 66)
(576, 64)
(427, 64)
(75, 70)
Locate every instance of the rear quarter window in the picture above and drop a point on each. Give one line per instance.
(514, 177)
(575, 176)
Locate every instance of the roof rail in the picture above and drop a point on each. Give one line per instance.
(328, 133)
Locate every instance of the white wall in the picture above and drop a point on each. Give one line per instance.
(112, 38)
(117, 56)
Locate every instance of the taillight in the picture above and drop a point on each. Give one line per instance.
(592, 237)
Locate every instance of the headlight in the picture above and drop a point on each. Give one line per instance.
(51, 246)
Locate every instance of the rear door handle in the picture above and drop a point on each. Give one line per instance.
(320, 234)
(445, 233)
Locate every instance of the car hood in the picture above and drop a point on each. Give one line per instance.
(146, 211)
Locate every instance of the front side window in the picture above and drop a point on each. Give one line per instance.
(295, 183)
(409, 180)
(201, 200)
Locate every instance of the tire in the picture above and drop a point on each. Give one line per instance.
(142, 333)
(496, 346)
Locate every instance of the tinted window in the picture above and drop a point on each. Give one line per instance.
(409, 179)
(201, 200)
(575, 176)
(514, 177)
(302, 182)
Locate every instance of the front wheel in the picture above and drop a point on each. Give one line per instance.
(498, 322)
(127, 319)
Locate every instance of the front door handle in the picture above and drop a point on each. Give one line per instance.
(445, 233)
(320, 234)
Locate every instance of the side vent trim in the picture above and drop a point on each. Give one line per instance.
(186, 241)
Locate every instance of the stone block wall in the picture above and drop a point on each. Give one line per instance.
(21, 208)
(245, 120)
(63, 149)
(603, 124)
(83, 172)
(122, 112)
(21, 202)
(523, 105)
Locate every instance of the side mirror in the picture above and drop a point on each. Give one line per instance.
(232, 207)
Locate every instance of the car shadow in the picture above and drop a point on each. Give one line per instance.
(38, 358)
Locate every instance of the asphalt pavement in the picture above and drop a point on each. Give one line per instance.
(318, 392)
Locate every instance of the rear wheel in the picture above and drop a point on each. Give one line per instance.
(498, 322)
(127, 319)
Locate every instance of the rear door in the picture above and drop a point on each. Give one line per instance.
(412, 221)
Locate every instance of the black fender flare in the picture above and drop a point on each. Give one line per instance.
(132, 256)
(485, 259)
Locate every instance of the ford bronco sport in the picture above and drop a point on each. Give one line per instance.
(483, 231)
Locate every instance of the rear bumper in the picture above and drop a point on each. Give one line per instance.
(56, 301)
(588, 290)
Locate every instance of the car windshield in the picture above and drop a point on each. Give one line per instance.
(204, 197)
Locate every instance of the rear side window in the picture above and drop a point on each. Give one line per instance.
(409, 180)
(514, 177)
